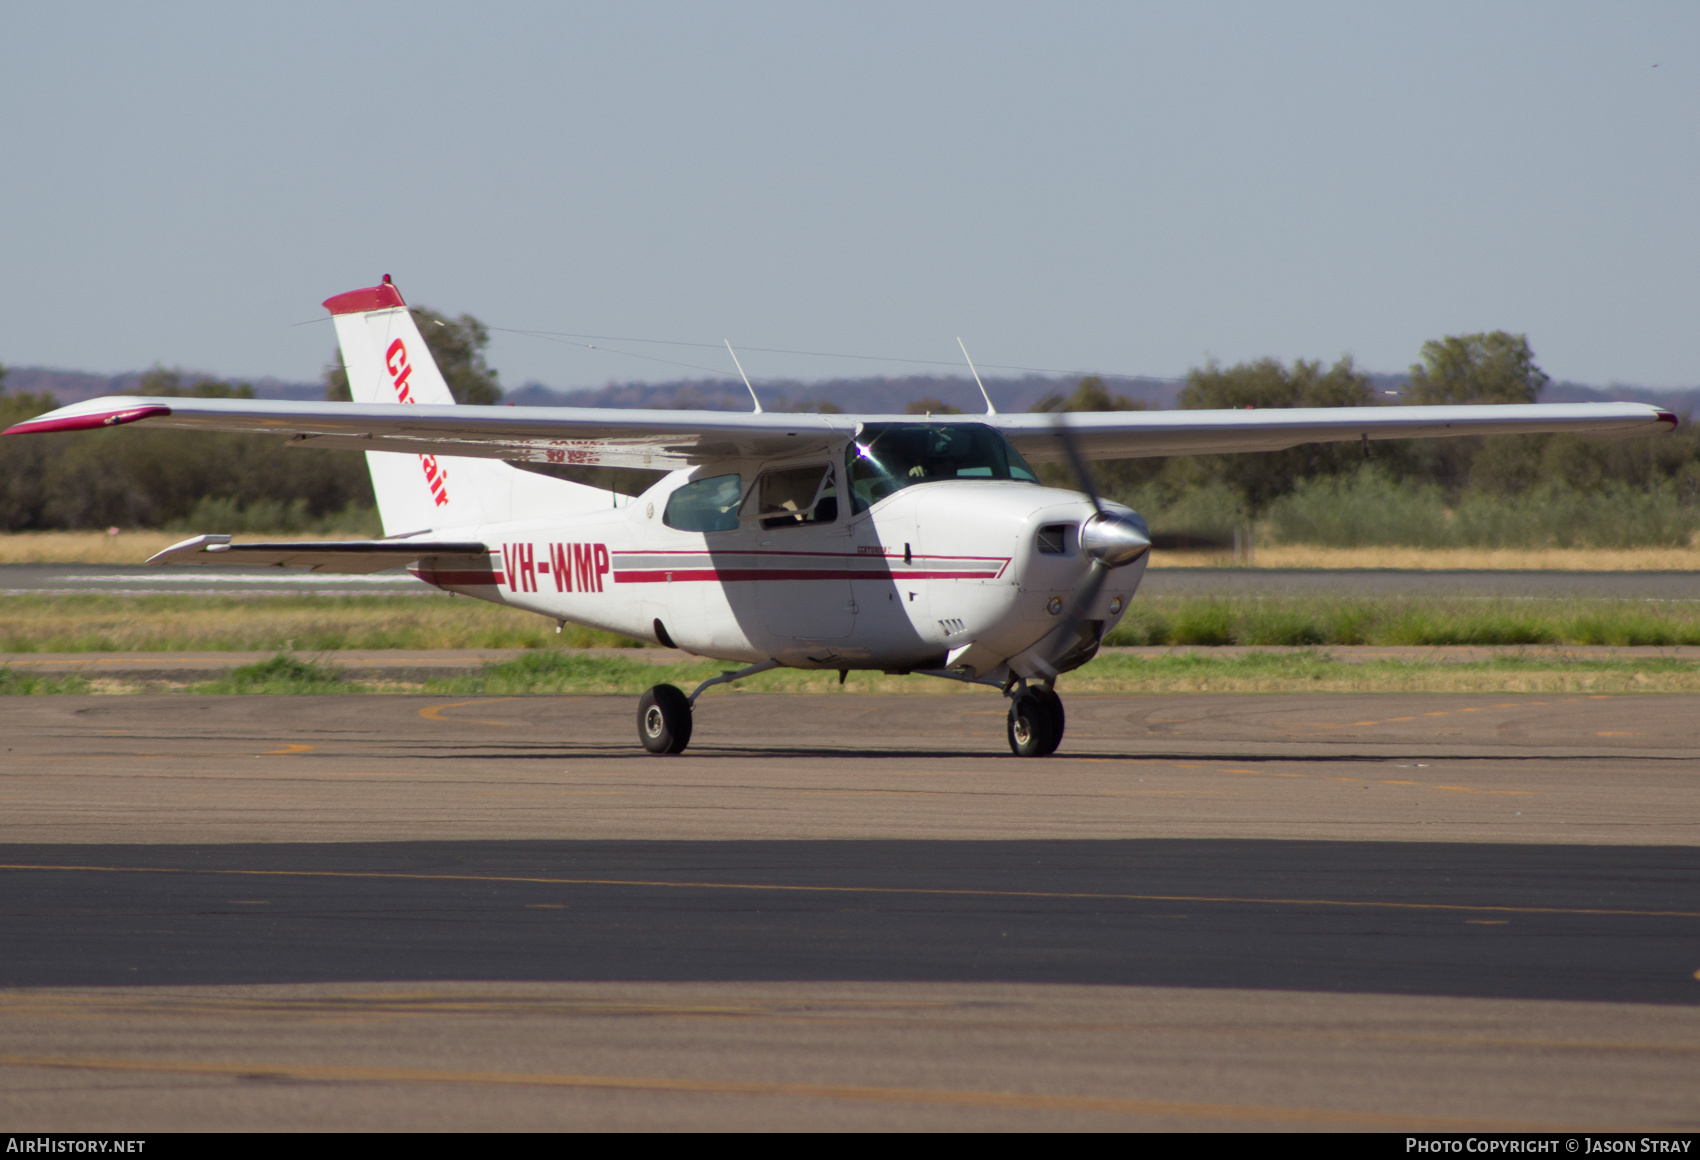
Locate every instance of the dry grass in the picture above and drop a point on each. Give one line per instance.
(1432, 559)
(171, 623)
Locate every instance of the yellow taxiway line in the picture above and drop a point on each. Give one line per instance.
(902, 891)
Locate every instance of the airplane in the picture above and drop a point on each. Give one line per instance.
(897, 543)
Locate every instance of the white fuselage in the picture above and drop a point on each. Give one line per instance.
(952, 570)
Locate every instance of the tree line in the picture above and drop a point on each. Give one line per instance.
(141, 478)
(210, 481)
(1541, 490)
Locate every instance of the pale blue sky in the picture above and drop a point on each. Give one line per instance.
(1121, 187)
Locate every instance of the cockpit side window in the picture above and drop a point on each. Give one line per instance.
(887, 457)
(705, 505)
(795, 496)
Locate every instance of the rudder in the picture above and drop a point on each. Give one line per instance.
(388, 362)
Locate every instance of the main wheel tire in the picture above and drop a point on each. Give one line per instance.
(1032, 726)
(664, 720)
(1053, 706)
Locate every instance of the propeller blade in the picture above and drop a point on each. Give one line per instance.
(1175, 541)
(1062, 637)
(1082, 475)
(1118, 541)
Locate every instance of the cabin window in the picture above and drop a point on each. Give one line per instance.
(887, 457)
(705, 505)
(795, 496)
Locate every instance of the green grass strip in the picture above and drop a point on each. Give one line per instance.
(559, 673)
(314, 624)
(1406, 621)
(283, 674)
(19, 684)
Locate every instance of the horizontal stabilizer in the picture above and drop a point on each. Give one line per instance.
(350, 556)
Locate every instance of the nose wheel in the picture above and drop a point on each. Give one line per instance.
(1035, 723)
(664, 720)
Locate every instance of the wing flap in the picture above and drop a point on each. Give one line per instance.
(354, 557)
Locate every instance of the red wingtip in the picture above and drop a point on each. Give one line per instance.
(381, 297)
(85, 422)
(1667, 417)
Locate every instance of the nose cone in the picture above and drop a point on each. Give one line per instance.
(1115, 539)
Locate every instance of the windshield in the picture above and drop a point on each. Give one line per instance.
(887, 457)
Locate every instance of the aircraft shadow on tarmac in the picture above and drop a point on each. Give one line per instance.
(1342, 753)
(1616, 923)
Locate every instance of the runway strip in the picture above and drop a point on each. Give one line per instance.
(1411, 918)
(1386, 912)
(911, 891)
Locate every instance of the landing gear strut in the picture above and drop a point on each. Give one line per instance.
(1036, 722)
(664, 712)
(1035, 711)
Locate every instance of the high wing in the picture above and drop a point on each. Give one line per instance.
(348, 556)
(668, 439)
(1143, 434)
(601, 436)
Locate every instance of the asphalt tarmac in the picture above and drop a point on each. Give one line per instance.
(1373, 912)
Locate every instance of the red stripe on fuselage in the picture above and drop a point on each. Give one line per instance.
(885, 555)
(461, 579)
(734, 575)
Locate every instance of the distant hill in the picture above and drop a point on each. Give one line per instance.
(1680, 400)
(75, 386)
(869, 396)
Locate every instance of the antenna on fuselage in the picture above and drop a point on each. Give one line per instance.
(990, 410)
(741, 373)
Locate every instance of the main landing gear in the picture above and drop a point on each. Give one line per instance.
(664, 719)
(1036, 717)
(664, 712)
(1035, 722)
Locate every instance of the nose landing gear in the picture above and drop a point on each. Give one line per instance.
(1036, 722)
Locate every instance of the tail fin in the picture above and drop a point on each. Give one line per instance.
(388, 362)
